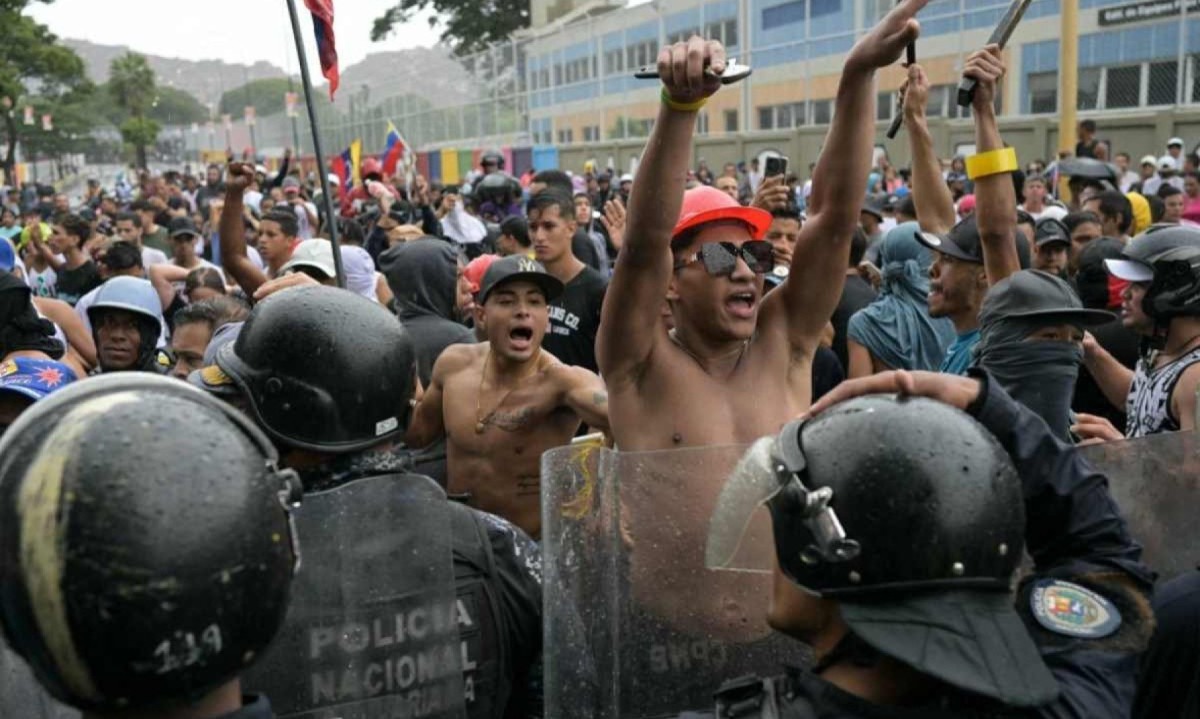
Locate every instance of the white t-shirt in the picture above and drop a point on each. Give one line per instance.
(151, 256)
(305, 228)
(44, 283)
(1052, 211)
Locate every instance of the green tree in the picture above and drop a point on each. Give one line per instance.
(267, 96)
(131, 85)
(30, 56)
(471, 25)
(173, 106)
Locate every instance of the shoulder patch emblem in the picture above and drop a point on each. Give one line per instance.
(1072, 610)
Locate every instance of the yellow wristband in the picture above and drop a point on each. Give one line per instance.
(682, 106)
(994, 162)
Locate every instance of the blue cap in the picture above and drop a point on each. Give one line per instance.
(34, 378)
(8, 257)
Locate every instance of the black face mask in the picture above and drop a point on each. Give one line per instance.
(1040, 375)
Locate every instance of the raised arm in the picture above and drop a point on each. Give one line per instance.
(809, 296)
(629, 324)
(234, 259)
(931, 195)
(39, 246)
(995, 197)
(161, 277)
(585, 394)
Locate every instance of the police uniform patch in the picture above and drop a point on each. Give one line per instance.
(1071, 610)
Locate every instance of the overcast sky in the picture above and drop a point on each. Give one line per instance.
(232, 30)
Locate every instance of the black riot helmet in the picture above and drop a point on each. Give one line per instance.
(1168, 259)
(147, 559)
(492, 158)
(917, 533)
(324, 369)
(931, 501)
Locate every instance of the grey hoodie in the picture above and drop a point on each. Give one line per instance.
(423, 275)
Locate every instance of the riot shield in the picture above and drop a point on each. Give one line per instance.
(636, 626)
(1156, 483)
(372, 627)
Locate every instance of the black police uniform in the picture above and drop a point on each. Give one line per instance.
(497, 574)
(254, 706)
(1074, 532)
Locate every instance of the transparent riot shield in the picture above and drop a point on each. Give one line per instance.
(372, 627)
(1156, 483)
(636, 625)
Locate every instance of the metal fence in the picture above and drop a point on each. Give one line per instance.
(515, 94)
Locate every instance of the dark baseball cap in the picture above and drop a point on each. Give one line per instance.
(963, 242)
(517, 268)
(1033, 293)
(873, 206)
(182, 226)
(1049, 230)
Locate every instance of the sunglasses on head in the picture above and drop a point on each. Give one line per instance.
(720, 258)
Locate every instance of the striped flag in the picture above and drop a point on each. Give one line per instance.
(395, 151)
(322, 12)
(342, 166)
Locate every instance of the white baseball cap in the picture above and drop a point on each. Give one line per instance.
(1149, 160)
(311, 253)
(1175, 141)
(1166, 162)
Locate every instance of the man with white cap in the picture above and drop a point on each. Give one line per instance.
(1175, 149)
(1168, 174)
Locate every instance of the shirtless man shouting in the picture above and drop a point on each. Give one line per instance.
(503, 402)
(738, 364)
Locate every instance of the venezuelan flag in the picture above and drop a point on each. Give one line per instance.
(322, 12)
(395, 151)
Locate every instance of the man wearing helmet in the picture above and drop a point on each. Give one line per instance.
(126, 319)
(1160, 302)
(908, 604)
(335, 419)
(716, 378)
(158, 635)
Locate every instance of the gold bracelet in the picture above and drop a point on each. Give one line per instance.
(682, 106)
(993, 162)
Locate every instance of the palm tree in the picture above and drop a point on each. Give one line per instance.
(131, 83)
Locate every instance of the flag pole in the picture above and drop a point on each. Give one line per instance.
(330, 210)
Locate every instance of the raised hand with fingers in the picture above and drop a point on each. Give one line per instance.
(914, 93)
(773, 193)
(691, 71)
(986, 66)
(613, 220)
(888, 40)
(238, 177)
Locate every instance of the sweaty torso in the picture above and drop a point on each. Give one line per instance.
(676, 403)
(499, 467)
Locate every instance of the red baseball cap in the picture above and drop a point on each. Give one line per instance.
(476, 268)
(702, 205)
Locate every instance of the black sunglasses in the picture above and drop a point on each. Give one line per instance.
(720, 258)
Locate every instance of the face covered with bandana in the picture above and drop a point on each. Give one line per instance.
(1031, 334)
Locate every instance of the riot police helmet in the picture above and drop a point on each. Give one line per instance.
(147, 562)
(324, 369)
